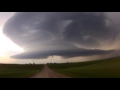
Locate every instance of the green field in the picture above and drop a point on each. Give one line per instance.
(18, 71)
(108, 68)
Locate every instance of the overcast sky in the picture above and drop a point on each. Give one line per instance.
(61, 36)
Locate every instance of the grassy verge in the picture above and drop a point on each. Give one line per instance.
(19, 71)
(109, 68)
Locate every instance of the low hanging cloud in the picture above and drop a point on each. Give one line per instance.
(66, 34)
(62, 53)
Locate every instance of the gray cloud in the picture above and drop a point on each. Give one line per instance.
(58, 32)
(62, 53)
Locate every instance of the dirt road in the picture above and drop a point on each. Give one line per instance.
(48, 73)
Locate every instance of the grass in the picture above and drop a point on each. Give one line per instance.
(18, 71)
(108, 68)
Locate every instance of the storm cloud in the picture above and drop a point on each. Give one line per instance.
(66, 34)
(62, 53)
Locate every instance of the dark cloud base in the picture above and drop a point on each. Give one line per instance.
(62, 53)
(61, 33)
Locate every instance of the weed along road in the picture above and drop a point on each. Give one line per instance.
(48, 73)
